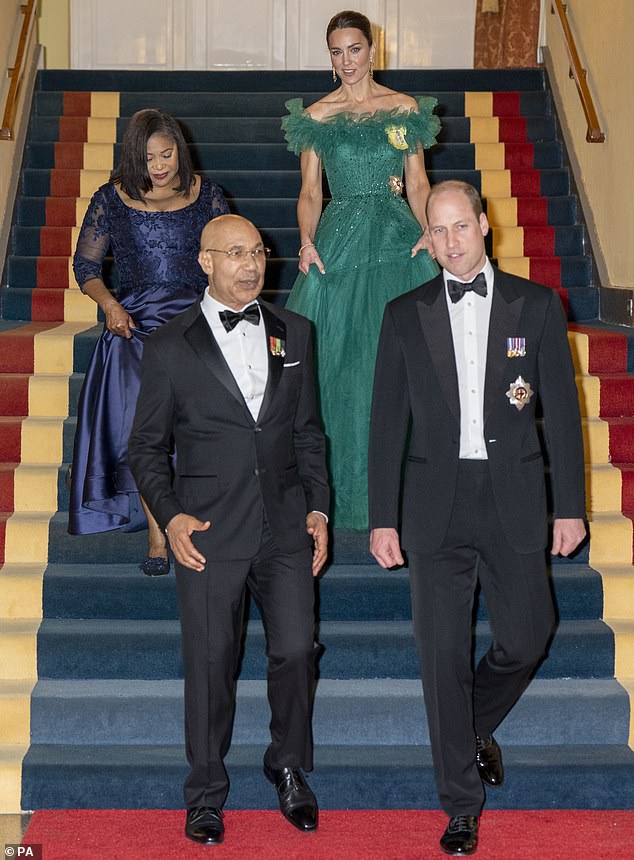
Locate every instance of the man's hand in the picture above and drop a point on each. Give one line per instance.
(385, 547)
(318, 530)
(567, 535)
(178, 533)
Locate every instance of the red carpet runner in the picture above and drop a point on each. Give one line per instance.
(367, 835)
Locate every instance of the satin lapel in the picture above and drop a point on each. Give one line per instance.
(275, 328)
(506, 307)
(434, 320)
(204, 344)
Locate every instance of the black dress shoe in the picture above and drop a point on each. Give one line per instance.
(489, 761)
(461, 836)
(297, 802)
(204, 825)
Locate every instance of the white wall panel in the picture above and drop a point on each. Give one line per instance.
(263, 34)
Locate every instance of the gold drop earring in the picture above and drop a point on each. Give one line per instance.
(334, 74)
(372, 67)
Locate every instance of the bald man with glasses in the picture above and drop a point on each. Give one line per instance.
(229, 386)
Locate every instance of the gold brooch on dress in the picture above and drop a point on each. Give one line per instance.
(396, 136)
(396, 184)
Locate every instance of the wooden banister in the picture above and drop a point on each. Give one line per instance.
(594, 133)
(16, 72)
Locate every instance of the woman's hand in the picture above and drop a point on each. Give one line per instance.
(424, 244)
(118, 320)
(309, 257)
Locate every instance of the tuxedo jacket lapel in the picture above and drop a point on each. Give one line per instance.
(204, 344)
(506, 307)
(434, 320)
(274, 328)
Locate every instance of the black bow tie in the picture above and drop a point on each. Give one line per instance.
(230, 319)
(457, 289)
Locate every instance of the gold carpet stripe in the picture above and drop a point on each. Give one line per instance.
(508, 242)
(596, 440)
(589, 390)
(484, 130)
(98, 156)
(101, 130)
(495, 183)
(35, 487)
(18, 645)
(79, 307)
(91, 180)
(53, 349)
(11, 756)
(48, 395)
(502, 211)
(611, 539)
(490, 156)
(604, 485)
(580, 349)
(42, 440)
(26, 540)
(478, 104)
(104, 104)
(519, 266)
(81, 205)
(72, 283)
(15, 710)
(21, 592)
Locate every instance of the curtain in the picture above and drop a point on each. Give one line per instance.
(506, 33)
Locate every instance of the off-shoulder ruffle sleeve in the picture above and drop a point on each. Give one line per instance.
(301, 130)
(423, 126)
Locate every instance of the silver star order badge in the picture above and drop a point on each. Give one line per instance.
(519, 393)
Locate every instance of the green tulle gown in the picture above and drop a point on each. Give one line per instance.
(364, 239)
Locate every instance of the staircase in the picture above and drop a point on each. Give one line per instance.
(91, 689)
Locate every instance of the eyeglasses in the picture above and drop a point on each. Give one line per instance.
(241, 254)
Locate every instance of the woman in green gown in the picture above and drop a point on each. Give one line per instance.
(367, 247)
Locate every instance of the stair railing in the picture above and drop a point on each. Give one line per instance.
(16, 72)
(594, 133)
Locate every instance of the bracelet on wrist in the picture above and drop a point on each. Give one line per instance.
(305, 245)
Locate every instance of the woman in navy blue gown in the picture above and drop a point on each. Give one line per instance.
(150, 215)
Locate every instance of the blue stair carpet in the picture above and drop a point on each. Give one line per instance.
(107, 711)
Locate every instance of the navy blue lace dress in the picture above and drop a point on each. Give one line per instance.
(158, 276)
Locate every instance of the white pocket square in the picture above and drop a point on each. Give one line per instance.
(292, 364)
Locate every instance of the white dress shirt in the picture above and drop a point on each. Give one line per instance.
(470, 331)
(244, 349)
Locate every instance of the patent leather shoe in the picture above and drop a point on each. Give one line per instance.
(297, 802)
(461, 836)
(489, 761)
(204, 825)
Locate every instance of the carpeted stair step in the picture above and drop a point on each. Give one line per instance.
(217, 104)
(564, 241)
(551, 182)
(70, 648)
(518, 81)
(118, 712)
(363, 777)
(282, 212)
(346, 592)
(276, 156)
(348, 547)
(254, 129)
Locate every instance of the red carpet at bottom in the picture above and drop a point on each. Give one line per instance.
(364, 835)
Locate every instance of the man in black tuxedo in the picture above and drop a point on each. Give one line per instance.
(229, 386)
(466, 357)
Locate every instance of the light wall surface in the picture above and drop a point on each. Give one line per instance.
(604, 33)
(54, 33)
